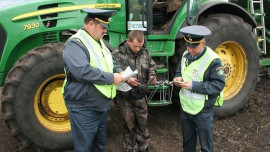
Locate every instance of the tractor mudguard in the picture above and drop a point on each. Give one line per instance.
(227, 8)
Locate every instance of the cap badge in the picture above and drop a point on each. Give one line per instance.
(189, 38)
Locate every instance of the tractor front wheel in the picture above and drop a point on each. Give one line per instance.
(236, 44)
(33, 106)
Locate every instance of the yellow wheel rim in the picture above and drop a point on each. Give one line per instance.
(234, 60)
(49, 105)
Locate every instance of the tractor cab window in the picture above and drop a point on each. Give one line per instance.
(152, 16)
(137, 15)
(163, 11)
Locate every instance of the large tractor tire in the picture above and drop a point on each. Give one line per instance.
(236, 44)
(33, 106)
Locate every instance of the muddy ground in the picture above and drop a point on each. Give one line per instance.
(246, 131)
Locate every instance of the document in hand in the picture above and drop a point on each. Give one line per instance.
(128, 73)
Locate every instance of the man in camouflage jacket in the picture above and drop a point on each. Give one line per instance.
(133, 110)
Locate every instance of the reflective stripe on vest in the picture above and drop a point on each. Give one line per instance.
(193, 103)
(101, 58)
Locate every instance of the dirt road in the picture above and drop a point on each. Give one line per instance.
(247, 131)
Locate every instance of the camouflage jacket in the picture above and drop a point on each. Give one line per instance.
(142, 61)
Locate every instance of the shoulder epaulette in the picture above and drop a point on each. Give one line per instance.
(78, 40)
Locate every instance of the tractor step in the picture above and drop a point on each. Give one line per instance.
(159, 103)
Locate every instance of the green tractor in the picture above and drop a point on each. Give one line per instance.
(33, 33)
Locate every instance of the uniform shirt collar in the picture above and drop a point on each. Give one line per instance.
(195, 57)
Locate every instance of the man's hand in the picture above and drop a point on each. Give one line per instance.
(177, 81)
(185, 85)
(117, 78)
(121, 72)
(133, 82)
(154, 79)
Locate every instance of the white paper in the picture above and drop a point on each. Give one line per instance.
(123, 87)
(128, 73)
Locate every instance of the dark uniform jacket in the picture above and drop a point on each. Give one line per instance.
(142, 61)
(212, 84)
(79, 89)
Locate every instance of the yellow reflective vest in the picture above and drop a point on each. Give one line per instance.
(191, 102)
(100, 57)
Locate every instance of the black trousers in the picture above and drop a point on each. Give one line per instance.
(200, 125)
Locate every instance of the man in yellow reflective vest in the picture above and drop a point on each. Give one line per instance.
(201, 78)
(91, 76)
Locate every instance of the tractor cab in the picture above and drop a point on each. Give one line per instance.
(158, 16)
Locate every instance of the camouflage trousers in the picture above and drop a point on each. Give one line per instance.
(135, 115)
